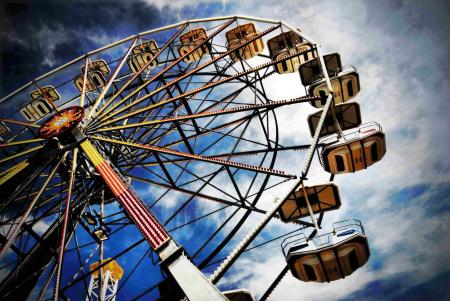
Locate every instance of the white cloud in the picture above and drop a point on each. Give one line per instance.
(179, 4)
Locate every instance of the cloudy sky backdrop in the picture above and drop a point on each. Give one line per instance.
(401, 51)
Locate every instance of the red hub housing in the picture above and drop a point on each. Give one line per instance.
(62, 122)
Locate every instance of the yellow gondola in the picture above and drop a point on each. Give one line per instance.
(288, 43)
(355, 151)
(330, 256)
(95, 76)
(240, 35)
(40, 103)
(47, 92)
(320, 197)
(345, 87)
(189, 41)
(141, 55)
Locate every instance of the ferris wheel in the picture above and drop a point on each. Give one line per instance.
(149, 155)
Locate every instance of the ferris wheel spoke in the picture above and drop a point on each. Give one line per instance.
(217, 130)
(50, 195)
(42, 204)
(64, 226)
(238, 203)
(20, 142)
(207, 147)
(18, 155)
(10, 172)
(142, 86)
(184, 103)
(237, 137)
(197, 157)
(233, 154)
(183, 205)
(176, 62)
(147, 82)
(44, 288)
(51, 211)
(149, 131)
(19, 122)
(251, 107)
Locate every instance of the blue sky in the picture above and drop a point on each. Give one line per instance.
(400, 49)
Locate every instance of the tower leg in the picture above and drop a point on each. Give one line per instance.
(105, 285)
(93, 287)
(193, 283)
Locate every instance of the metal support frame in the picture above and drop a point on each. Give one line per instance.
(184, 271)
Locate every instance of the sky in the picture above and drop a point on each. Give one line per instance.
(400, 49)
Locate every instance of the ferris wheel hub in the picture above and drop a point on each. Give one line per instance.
(61, 122)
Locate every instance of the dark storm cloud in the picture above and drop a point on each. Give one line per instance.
(37, 36)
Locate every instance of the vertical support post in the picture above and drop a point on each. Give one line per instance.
(93, 285)
(114, 286)
(105, 283)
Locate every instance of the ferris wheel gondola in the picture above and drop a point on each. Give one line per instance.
(321, 198)
(345, 86)
(356, 150)
(329, 256)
